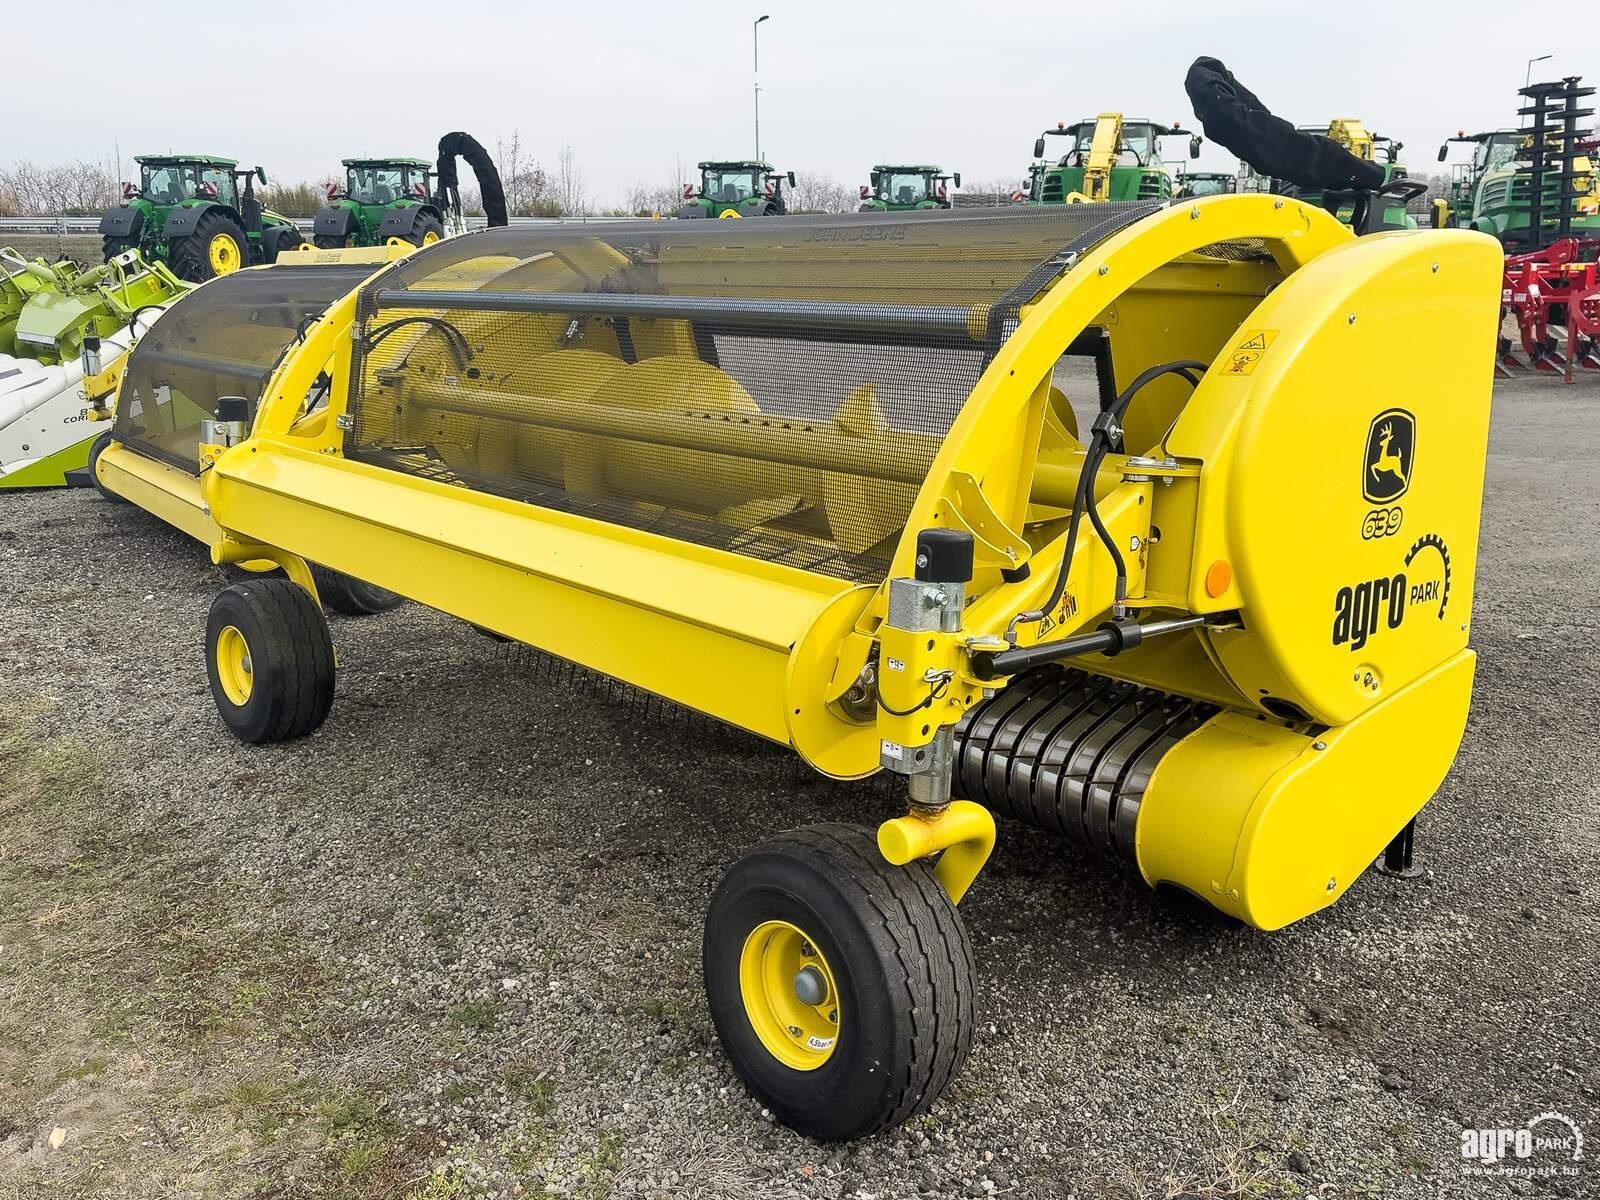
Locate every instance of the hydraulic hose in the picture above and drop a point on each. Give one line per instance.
(1100, 444)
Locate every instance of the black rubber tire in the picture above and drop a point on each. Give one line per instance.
(110, 246)
(350, 596)
(99, 444)
(901, 960)
(189, 258)
(291, 656)
(331, 241)
(275, 239)
(423, 226)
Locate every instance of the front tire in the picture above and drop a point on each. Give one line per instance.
(350, 596)
(218, 246)
(426, 231)
(270, 661)
(95, 450)
(841, 986)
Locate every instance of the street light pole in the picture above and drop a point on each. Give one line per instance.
(755, 55)
(1527, 79)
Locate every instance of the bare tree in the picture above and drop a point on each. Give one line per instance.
(821, 193)
(75, 189)
(526, 185)
(571, 191)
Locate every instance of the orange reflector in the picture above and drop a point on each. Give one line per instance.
(1218, 577)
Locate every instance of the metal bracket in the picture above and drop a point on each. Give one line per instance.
(971, 511)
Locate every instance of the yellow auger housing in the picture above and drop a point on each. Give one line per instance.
(816, 478)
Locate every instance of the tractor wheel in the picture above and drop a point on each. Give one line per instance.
(217, 246)
(332, 241)
(841, 986)
(426, 231)
(350, 596)
(110, 247)
(270, 660)
(99, 444)
(278, 238)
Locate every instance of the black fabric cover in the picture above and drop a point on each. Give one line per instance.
(1234, 117)
(469, 148)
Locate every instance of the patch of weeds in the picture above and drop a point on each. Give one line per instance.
(91, 1068)
(476, 1014)
(460, 1091)
(524, 1081)
(451, 1185)
(598, 1170)
(361, 1158)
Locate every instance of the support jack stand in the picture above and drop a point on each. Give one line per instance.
(1397, 859)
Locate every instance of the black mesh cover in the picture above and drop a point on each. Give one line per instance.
(772, 386)
(224, 339)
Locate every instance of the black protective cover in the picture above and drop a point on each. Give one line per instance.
(1234, 117)
(466, 146)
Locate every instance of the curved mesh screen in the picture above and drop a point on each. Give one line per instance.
(777, 387)
(224, 339)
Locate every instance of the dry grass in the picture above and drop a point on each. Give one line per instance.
(158, 1008)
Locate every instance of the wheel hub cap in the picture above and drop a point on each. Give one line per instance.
(789, 995)
(235, 671)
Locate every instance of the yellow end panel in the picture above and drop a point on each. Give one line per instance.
(1269, 828)
(1344, 472)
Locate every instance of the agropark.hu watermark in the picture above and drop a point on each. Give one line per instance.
(1550, 1145)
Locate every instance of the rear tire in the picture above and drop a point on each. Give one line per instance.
(350, 596)
(883, 948)
(270, 660)
(332, 241)
(110, 246)
(95, 449)
(204, 254)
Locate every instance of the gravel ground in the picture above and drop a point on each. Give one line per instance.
(450, 944)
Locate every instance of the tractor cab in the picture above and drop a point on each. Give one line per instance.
(743, 188)
(197, 213)
(1194, 184)
(1108, 158)
(907, 188)
(172, 181)
(382, 198)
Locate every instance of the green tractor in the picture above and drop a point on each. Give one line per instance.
(1108, 158)
(1493, 192)
(199, 215)
(382, 198)
(1194, 184)
(746, 188)
(906, 189)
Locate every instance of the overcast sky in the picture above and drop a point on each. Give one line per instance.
(635, 88)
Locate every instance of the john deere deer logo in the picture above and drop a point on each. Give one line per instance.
(1391, 447)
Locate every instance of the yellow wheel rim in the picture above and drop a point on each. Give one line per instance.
(430, 238)
(235, 671)
(789, 995)
(730, 212)
(224, 254)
